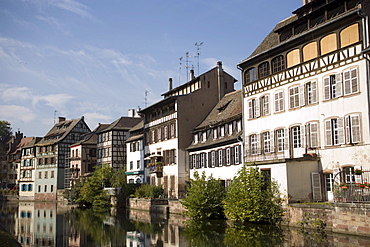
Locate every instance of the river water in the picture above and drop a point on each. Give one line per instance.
(49, 224)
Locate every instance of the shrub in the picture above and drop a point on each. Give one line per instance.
(204, 199)
(250, 198)
(148, 191)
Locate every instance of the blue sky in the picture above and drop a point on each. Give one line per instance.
(97, 59)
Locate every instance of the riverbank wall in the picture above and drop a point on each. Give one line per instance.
(347, 218)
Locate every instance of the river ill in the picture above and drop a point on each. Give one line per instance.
(48, 224)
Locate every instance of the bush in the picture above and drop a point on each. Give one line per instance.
(250, 198)
(148, 191)
(204, 199)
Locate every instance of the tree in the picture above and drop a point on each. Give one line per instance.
(5, 135)
(252, 198)
(204, 199)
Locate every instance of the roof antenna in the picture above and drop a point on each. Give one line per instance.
(55, 115)
(198, 44)
(187, 66)
(146, 98)
(180, 70)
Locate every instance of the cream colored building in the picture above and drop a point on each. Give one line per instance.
(306, 99)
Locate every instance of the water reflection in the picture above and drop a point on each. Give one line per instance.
(49, 224)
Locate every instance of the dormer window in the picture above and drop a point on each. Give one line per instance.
(204, 136)
(195, 138)
(263, 70)
(250, 75)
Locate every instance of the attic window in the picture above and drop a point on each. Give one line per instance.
(222, 108)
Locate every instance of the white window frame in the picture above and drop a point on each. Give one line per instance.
(334, 131)
(279, 101)
(332, 86)
(294, 97)
(313, 134)
(353, 129)
(311, 92)
(350, 78)
(265, 105)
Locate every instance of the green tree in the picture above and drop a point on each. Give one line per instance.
(252, 198)
(119, 178)
(204, 199)
(5, 135)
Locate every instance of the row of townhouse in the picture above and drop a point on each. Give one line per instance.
(301, 117)
(69, 151)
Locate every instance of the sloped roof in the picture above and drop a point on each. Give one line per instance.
(59, 131)
(229, 107)
(123, 123)
(91, 138)
(32, 143)
(272, 39)
(227, 110)
(136, 129)
(24, 141)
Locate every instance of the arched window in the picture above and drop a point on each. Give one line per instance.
(278, 64)
(349, 35)
(293, 58)
(250, 75)
(263, 70)
(328, 44)
(309, 51)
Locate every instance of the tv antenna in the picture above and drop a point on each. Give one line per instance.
(180, 70)
(55, 115)
(146, 98)
(198, 44)
(187, 65)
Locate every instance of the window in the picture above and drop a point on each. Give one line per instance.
(349, 35)
(30, 187)
(349, 176)
(204, 136)
(138, 164)
(46, 175)
(253, 108)
(45, 188)
(165, 132)
(313, 135)
(213, 158)
(173, 130)
(228, 156)
(230, 130)
(309, 51)
(353, 130)
(265, 105)
(350, 81)
(52, 174)
(222, 131)
(254, 144)
(279, 101)
(329, 180)
(296, 137)
(202, 160)
(332, 86)
(266, 138)
(221, 157)
(311, 92)
(51, 188)
(328, 43)
(278, 64)
(215, 133)
(293, 58)
(250, 75)
(334, 131)
(280, 139)
(294, 97)
(196, 138)
(263, 70)
(131, 165)
(39, 188)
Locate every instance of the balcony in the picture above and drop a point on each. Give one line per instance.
(273, 157)
(156, 168)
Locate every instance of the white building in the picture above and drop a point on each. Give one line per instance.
(217, 145)
(306, 99)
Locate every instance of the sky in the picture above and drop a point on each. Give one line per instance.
(100, 58)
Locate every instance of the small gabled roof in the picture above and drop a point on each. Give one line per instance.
(135, 136)
(123, 123)
(59, 131)
(90, 138)
(23, 142)
(229, 108)
(32, 143)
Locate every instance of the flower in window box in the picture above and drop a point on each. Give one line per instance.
(343, 186)
(358, 172)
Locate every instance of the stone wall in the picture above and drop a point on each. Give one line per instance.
(338, 217)
(175, 207)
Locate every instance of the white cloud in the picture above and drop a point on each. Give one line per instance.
(72, 6)
(15, 112)
(57, 101)
(93, 119)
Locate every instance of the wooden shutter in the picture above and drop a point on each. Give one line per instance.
(338, 84)
(340, 122)
(314, 91)
(313, 135)
(355, 128)
(316, 186)
(286, 139)
(326, 88)
(257, 108)
(328, 133)
(267, 105)
(259, 149)
(302, 95)
(277, 102)
(354, 80)
(250, 109)
(347, 82)
(303, 136)
(272, 142)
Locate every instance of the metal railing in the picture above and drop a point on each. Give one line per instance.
(352, 187)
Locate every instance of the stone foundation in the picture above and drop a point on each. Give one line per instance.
(339, 217)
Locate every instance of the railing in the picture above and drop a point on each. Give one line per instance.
(262, 156)
(352, 187)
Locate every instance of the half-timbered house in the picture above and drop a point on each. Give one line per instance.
(306, 98)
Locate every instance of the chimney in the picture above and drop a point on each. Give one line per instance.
(169, 84)
(137, 114)
(192, 74)
(220, 81)
(131, 112)
(61, 119)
